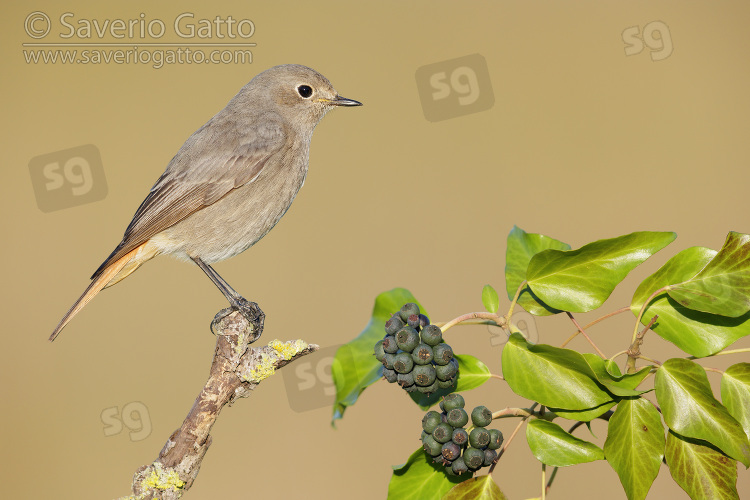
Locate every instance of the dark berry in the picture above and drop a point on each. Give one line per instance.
(431, 447)
(405, 379)
(432, 335)
(496, 439)
(428, 389)
(445, 384)
(424, 375)
(407, 339)
(423, 321)
(390, 375)
(458, 417)
(393, 325)
(458, 466)
(442, 433)
(442, 354)
(481, 416)
(460, 436)
(422, 354)
(403, 363)
(413, 321)
(388, 360)
(431, 420)
(474, 458)
(489, 457)
(453, 400)
(446, 372)
(379, 352)
(451, 451)
(479, 437)
(390, 346)
(407, 310)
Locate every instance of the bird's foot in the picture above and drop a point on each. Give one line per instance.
(249, 310)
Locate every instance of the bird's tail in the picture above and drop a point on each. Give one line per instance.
(110, 275)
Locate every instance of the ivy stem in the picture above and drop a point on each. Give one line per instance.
(599, 351)
(618, 354)
(643, 311)
(510, 439)
(650, 360)
(709, 369)
(634, 351)
(498, 320)
(492, 375)
(597, 320)
(731, 351)
(544, 482)
(514, 301)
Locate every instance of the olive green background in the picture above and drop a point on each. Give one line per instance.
(582, 142)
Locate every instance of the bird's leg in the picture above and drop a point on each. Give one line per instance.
(250, 310)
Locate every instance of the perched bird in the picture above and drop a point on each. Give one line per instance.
(229, 184)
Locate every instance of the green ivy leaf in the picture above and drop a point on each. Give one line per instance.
(635, 445)
(477, 488)
(735, 393)
(697, 333)
(522, 246)
(354, 366)
(418, 479)
(723, 286)
(552, 376)
(581, 280)
(551, 445)
(583, 415)
(490, 299)
(690, 409)
(471, 374)
(564, 379)
(703, 472)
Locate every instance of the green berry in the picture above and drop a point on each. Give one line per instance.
(393, 325)
(407, 339)
(403, 363)
(496, 439)
(431, 420)
(432, 335)
(479, 437)
(430, 446)
(428, 389)
(450, 451)
(379, 352)
(458, 417)
(424, 375)
(445, 384)
(446, 372)
(460, 436)
(458, 466)
(481, 416)
(489, 457)
(443, 354)
(407, 310)
(405, 379)
(422, 354)
(441, 405)
(442, 433)
(388, 360)
(474, 458)
(453, 400)
(390, 375)
(390, 346)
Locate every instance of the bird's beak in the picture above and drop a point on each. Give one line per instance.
(343, 101)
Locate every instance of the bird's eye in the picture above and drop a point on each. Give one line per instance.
(305, 91)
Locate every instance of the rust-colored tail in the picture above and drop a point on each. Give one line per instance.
(107, 275)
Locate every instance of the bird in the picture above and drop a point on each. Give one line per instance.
(229, 183)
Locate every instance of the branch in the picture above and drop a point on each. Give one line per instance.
(236, 370)
(635, 348)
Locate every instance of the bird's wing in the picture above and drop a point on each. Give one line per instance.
(212, 162)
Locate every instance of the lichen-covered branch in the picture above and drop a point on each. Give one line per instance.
(237, 369)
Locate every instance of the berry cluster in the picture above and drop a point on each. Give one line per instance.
(447, 442)
(414, 354)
